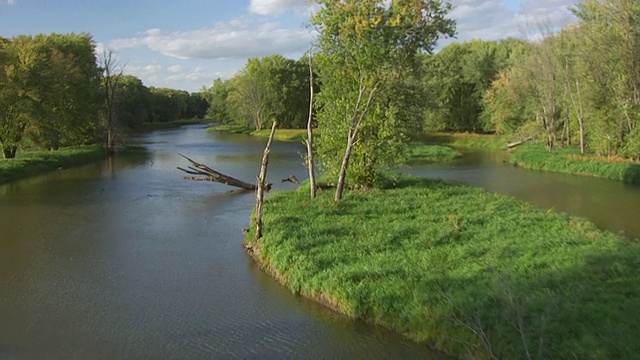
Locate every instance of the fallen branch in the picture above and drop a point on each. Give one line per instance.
(206, 173)
(517, 143)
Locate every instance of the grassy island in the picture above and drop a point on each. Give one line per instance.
(30, 163)
(460, 269)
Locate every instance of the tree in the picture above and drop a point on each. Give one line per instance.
(12, 104)
(219, 106)
(112, 72)
(65, 87)
(365, 46)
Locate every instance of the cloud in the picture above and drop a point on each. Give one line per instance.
(493, 19)
(7, 2)
(235, 39)
(275, 7)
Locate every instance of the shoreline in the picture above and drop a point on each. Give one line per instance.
(32, 163)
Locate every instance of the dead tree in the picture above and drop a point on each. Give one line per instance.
(208, 174)
(261, 184)
(312, 175)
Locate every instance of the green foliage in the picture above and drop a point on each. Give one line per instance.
(579, 85)
(367, 52)
(267, 89)
(459, 76)
(443, 261)
(37, 162)
(292, 135)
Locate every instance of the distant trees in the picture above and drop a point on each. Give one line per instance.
(54, 92)
(580, 85)
(266, 89)
(458, 77)
(50, 91)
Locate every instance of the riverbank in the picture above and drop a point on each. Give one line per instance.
(534, 156)
(171, 124)
(291, 135)
(569, 160)
(459, 269)
(31, 163)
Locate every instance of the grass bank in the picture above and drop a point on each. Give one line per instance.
(30, 163)
(569, 160)
(423, 153)
(467, 140)
(292, 135)
(466, 271)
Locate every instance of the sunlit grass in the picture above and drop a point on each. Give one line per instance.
(569, 160)
(423, 153)
(36, 162)
(467, 140)
(447, 264)
(291, 135)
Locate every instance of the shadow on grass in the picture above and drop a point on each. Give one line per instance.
(587, 312)
(632, 174)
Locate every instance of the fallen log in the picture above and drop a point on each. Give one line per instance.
(517, 143)
(206, 173)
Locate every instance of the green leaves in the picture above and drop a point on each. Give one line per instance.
(367, 50)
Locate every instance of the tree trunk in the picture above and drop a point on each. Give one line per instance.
(261, 184)
(9, 152)
(212, 175)
(310, 165)
(343, 169)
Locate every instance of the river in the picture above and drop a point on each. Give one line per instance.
(125, 260)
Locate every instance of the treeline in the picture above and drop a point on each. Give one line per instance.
(579, 86)
(52, 94)
(266, 89)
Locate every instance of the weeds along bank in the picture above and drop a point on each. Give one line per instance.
(31, 163)
(460, 269)
(569, 160)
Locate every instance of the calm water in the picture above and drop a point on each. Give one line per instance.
(610, 204)
(125, 260)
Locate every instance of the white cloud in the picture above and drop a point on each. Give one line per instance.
(174, 69)
(493, 20)
(275, 7)
(235, 39)
(7, 2)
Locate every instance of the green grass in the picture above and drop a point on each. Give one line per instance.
(447, 264)
(569, 160)
(423, 153)
(292, 135)
(36, 162)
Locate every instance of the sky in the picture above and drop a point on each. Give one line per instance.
(187, 44)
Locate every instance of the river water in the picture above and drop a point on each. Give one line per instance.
(125, 260)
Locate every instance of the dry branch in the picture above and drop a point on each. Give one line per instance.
(208, 174)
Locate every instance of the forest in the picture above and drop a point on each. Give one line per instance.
(55, 91)
(576, 86)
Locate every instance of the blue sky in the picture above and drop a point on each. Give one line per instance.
(187, 44)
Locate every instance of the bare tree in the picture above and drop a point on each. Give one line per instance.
(112, 71)
(310, 165)
(261, 184)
